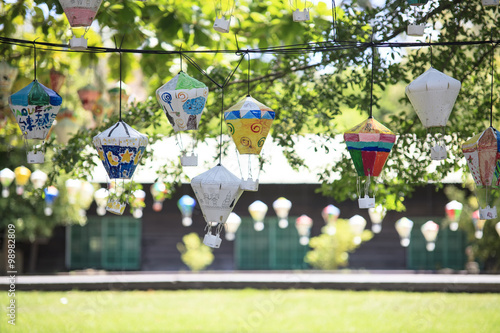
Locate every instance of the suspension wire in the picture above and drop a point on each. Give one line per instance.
(430, 46)
(180, 56)
(372, 79)
(492, 81)
(34, 58)
(334, 20)
(248, 75)
(221, 120)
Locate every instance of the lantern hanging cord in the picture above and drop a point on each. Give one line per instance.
(180, 56)
(221, 119)
(334, 20)
(430, 46)
(372, 79)
(248, 75)
(120, 70)
(34, 58)
(492, 80)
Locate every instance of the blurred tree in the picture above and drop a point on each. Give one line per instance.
(194, 253)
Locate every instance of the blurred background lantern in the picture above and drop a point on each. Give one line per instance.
(72, 188)
(217, 191)
(301, 10)
(66, 126)
(38, 179)
(51, 194)
(377, 215)
(232, 224)
(478, 223)
(303, 225)
(22, 174)
(186, 205)
(101, 200)
(85, 196)
(258, 211)
(433, 95)
(89, 96)
(403, 227)
(8, 75)
(56, 80)
(369, 145)
(482, 155)
(330, 215)
(430, 231)
(282, 207)
(453, 210)
(137, 203)
(223, 13)
(6, 178)
(357, 224)
(497, 228)
(114, 94)
(80, 15)
(159, 192)
(415, 29)
(35, 125)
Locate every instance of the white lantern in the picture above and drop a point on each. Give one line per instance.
(433, 95)
(303, 225)
(430, 231)
(377, 215)
(282, 207)
(357, 224)
(403, 227)
(415, 29)
(232, 224)
(138, 199)
(101, 200)
(7, 176)
(38, 179)
(72, 188)
(497, 228)
(258, 211)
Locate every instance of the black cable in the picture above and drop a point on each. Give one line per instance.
(491, 92)
(372, 79)
(248, 76)
(221, 120)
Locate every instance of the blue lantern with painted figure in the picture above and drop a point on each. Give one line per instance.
(186, 205)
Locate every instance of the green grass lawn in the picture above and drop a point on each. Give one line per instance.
(251, 310)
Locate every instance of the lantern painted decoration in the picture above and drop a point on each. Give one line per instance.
(66, 126)
(403, 227)
(223, 13)
(377, 215)
(433, 95)
(282, 207)
(159, 192)
(7, 176)
(22, 174)
(217, 191)
(51, 194)
(453, 210)
(357, 224)
(137, 203)
(258, 211)
(430, 231)
(38, 179)
(478, 223)
(35, 108)
(101, 200)
(330, 215)
(231, 226)
(369, 145)
(120, 149)
(303, 224)
(482, 153)
(186, 205)
(8, 75)
(490, 2)
(300, 10)
(80, 14)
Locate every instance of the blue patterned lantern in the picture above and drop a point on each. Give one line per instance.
(35, 108)
(186, 205)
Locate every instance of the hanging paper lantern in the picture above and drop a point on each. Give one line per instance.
(89, 96)
(22, 177)
(258, 211)
(300, 10)
(369, 144)
(217, 191)
(478, 223)
(223, 13)
(403, 227)
(114, 94)
(282, 207)
(159, 193)
(231, 226)
(51, 194)
(120, 149)
(6, 178)
(497, 228)
(8, 75)
(101, 200)
(35, 108)
(56, 80)
(137, 203)
(377, 215)
(330, 215)
(433, 95)
(72, 188)
(38, 179)
(303, 225)
(357, 224)
(186, 205)
(80, 14)
(453, 210)
(430, 231)
(66, 126)
(490, 2)
(482, 155)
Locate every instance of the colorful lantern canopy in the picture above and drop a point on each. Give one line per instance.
(433, 95)
(497, 228)
(186, 205)
(258, 211)
(56, 80)
(35, 108)
(137, 203)
(490, 2)
(6, 178)
(38, 179)
(223, 13)
(403, 227)
(357, 224)
(300, 10)
(8, 75)
(217, 191)
(369, 144)
(482, 155)
(377, 215)
(330, 215)
(478, 223)
(303, 224)
(101, 200)
(232, 224)
(453, 210)
(22, 177)
(159, 192)
(120, 149)
(80, 14)
(282, 207)
(66, 126)
(51, 194)
(430, 231)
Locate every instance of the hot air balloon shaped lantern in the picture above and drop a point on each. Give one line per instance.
(223, 13)
(186, 205)
(258, 211)
(51, 193)
(248, 123)
(66, 126)
(497, 228)
(22, 174)
(7, 176)
(80, 15)
(85, 197)
(478, 223)
(301, 10)
(232, 224)
(403, 227)
(137, 203)
(303, 225)
(159, 192)
(217, 191)
(282, 207)
(453, 210)
(433, 95)
(482, 153)
(38, 179)
(330, 215)
(369, 145)
(416, 29)
(101, 200)
(357, 224)
(377, 215)
(89, 96)
(490, 2)
(183, 99)
(430, 231)
(120, 149)
(8, 75)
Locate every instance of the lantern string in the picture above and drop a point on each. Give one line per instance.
(372, 79)
(430, 47)
(221, 119)
(334, 20)
(492, 81)
(180, 56)
(34, 58)
(248, 75)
